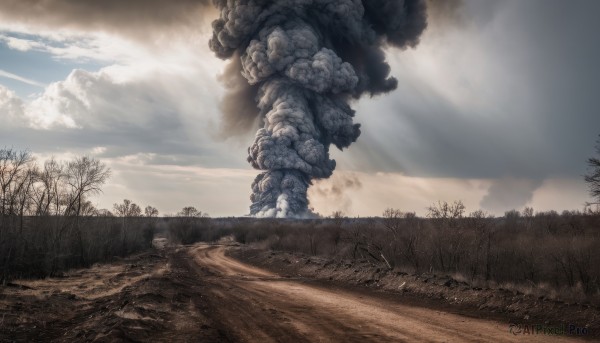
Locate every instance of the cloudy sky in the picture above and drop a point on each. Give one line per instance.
(497, 106)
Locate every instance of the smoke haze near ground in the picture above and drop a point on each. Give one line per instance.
(335, 190)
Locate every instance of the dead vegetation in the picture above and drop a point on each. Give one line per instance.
(49, 225)
(545, 254)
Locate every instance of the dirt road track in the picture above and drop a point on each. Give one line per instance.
(253, 305)
(199, 294)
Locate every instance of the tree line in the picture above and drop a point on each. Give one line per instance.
(48, 224)
(543, 253)
(47, 221)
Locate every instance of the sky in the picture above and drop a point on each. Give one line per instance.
(497, 107)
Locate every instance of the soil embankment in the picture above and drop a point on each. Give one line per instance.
(436, 292)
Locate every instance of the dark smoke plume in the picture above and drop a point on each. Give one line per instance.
(304, 61)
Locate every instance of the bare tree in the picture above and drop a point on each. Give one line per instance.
(512, 219)
(13, 177)
(150, 211)
(448, 240)
(528, 215)
(83, 176)
(405, 231)
(191, 212)
(593, 178)
(48, 191)
(480, 223)
(447, 213)
(127, 209)
(392, 219)
(103, 212)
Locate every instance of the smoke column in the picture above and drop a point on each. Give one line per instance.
(304, 61)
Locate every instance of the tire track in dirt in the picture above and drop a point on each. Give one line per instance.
(254, 305)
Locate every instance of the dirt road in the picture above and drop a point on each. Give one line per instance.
(254, 305)
(199, 294)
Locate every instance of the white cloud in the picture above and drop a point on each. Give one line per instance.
(11, 108)
(167, 114)
(217, 191)
(77, 46)
(12, 76)
(114, 97)
(20, 44)
(173, 55)
(99, 150)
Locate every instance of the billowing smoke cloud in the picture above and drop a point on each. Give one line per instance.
(445, 13)
(304, 61)
(335, 189)
(238, 106)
